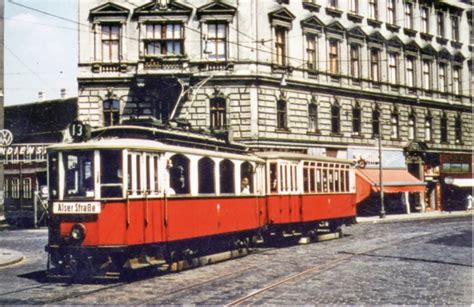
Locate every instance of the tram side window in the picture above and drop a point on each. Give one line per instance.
(79, 174)
(309, 173)
(325, 180)
(206, 176)
(226, 171)
(273, 177)
(246, 174)
(53, 175)
(319, 187)
(111, 174)
(179, 174)
(336, 180)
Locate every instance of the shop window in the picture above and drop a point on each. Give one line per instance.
(111, 109)
(179, 175)
(246, 177)
(206, 176)
(111, 174)
(15, 188)
(26, 186)
(79, 174)
(226, 172)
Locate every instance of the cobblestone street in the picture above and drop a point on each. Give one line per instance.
(416, 262)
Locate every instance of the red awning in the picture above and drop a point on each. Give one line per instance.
(394, 181)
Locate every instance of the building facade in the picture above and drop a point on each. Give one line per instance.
(317, 76)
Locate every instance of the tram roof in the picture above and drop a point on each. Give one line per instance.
(149, 146)
(299, 157)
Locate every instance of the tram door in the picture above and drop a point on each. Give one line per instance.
(289, 200)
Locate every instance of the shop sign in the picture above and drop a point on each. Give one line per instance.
(390, 158)
(23, 153)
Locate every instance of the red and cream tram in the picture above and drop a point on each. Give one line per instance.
(120, 202)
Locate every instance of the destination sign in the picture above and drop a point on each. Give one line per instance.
(76, 207)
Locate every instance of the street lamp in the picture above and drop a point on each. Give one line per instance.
(382, 204)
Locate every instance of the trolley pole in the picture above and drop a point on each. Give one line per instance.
(382, 205)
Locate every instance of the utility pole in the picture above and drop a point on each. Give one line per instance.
(2, 92)
(382, 204)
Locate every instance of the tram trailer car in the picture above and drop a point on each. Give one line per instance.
(118, 204)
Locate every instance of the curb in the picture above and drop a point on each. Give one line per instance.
(10, 260)
(414, 218)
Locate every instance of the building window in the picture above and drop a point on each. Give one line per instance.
(408, 15)
(393, 67)
(425, 19)
(375, 123)
(411, 127)
(373, 9)
(443, 78)
(111, 110)
(280, 46)
(427, 75)
(354, 6)
(394, 126)
(164, 39)
(311, 51)
(110, 43)
(356, 120)
(355, 63)
(332, 4)
(218, 113)
(455, 27)
(391, 16)
(457, 80)
(374, 64)
(444, 128)
(410, 67)
(313, 117)
(333, 56)
(458, 129)
(281, 114)
(217, 41)
(335, 118)
(428, 132)
(440, 23)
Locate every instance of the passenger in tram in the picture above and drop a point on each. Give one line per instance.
(245, 187)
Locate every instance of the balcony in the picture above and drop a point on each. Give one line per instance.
(164, 63)
(109, 68)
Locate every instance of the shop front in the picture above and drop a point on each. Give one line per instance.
(457, 180)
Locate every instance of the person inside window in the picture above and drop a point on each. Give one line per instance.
(245, 187)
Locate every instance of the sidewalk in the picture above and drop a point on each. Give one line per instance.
(9, 257)
(413, 216)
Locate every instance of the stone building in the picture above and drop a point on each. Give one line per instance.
(316, 76)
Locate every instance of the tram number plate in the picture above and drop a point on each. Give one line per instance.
(76, 207)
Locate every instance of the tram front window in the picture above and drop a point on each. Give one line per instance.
(79, 174)
(111, 173)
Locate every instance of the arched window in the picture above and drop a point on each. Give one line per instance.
(226, 171)
(428, 132)
(458, 129)
(206, 176)
(394, 126)
(111, 109)
(179, 174)
(218, 113)
(411, 127)
(246, 177)
(313, 117)
(444, 128)
(356, 119)
(335, 118)
(375, 123)
(281, 114)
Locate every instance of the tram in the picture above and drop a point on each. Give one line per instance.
(132, 197)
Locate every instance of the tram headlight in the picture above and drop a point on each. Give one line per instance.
(78, 232)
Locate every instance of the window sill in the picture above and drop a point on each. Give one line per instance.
(357, 135)
(355, 17)
(374, 23)
(410, 32)
(336, 134)
(426, 37)
(457, 45)
(397, 139)
(444, 142)
(283, 130)
(312, 7)
(316, 133)
(441, 40)
(392, 27)
(333, 12)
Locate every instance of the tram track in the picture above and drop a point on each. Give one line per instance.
(246, 299)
